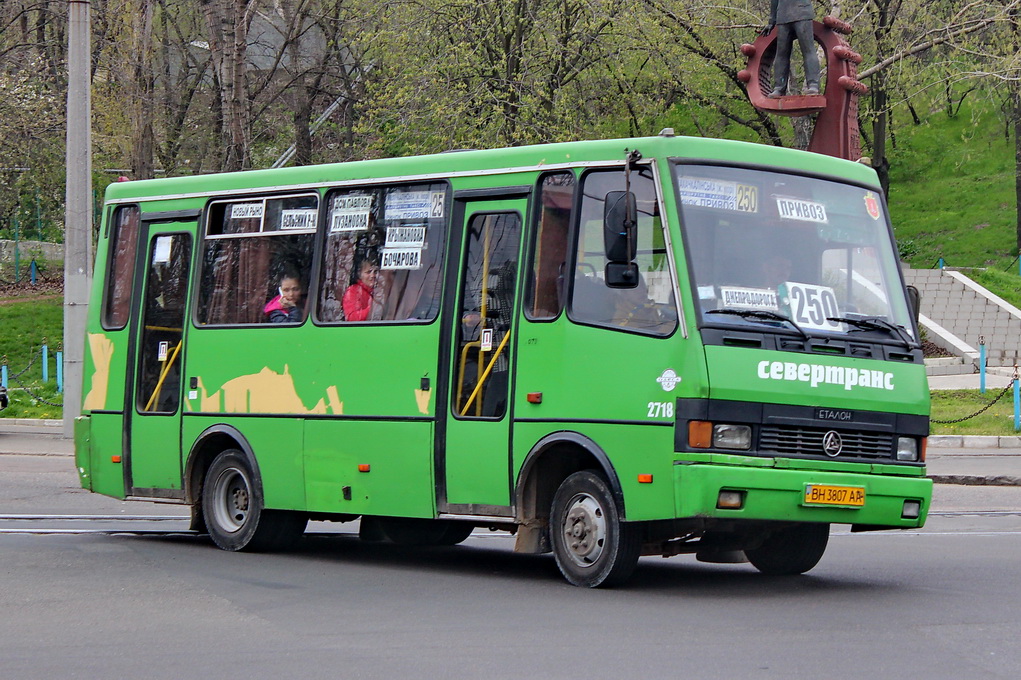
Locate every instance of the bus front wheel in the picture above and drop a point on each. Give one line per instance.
(232, 507)
(792, 550)
(591, 544)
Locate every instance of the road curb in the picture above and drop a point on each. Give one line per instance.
(977, 480)
(974, 441)
(30, 422)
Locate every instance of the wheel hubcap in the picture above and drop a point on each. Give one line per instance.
(232, 496)
(584, 530)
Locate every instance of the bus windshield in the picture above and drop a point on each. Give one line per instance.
(776, 251)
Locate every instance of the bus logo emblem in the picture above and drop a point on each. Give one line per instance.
(668, 381)
(872, 205)
(832, 444)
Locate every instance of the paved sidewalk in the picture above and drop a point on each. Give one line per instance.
(996, 379)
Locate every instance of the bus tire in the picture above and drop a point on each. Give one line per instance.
(791, 550)
(456, 533)
(591, 544)
(233, 510)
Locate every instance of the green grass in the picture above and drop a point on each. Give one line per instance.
(953, 404)
(952, 189)
(25, 325)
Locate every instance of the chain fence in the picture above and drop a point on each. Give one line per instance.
(29, 390)
(984, 408)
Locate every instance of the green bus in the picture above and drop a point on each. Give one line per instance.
(610, 349)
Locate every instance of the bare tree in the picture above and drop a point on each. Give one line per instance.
(228, 22)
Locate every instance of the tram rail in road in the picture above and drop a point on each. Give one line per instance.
(156, 525)
(87, 524)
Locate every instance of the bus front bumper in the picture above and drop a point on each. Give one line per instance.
(746, 493)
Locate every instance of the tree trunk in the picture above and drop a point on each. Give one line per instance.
(1015, 86)
(880, 103)
(302, 129)
(142, 102)
(880, 163)
(228, 42)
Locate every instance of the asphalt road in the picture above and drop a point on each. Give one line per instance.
(940, 602)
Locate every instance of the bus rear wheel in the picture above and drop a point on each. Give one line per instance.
(232, 507)
(591, 544)
(792, 550)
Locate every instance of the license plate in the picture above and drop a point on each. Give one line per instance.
(827, 494)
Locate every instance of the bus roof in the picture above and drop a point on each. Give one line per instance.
(495, 161)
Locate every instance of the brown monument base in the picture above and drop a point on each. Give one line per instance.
(794, 104)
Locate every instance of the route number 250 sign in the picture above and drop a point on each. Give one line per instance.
(811, 305)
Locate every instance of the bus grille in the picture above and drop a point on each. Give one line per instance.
(807, 441)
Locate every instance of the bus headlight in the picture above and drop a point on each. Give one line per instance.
(732, 437)
(907, 448)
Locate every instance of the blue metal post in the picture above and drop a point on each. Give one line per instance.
(60, 371)
(17, 250)
(3, 376)
(34, 271)
(981, 365)
(1017, 405)
(942, 263)
(46, 364)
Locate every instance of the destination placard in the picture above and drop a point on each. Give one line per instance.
(749, 298)
(304, 218)
(245, 211)
(401, 258)
(414, 205)
(801, 210)
(350, 213)
(704, 192)
(405, 237)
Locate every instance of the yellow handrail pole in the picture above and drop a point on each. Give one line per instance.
(483, 306)
(163, 376)
(485, 374)
(460, 372)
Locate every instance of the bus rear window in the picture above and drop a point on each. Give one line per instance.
(123, 241)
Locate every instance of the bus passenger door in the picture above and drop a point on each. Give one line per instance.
(474, 471)
(152, 460)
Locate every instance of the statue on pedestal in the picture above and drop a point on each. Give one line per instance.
(792, 19)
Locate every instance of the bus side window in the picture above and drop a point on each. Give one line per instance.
(121, 273)
(547, 284)
(650, 306)
(250, 244)
(383, 254)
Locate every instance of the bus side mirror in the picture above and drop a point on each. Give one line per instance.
(914, 302)
(620, 217)
(621, 275)
(620, 239)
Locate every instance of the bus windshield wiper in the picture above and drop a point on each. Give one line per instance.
(874, 323)
(761, 314)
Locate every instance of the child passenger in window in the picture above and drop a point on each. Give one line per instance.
(286, 307)
(363, 294)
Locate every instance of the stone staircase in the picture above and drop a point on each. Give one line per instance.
(958, 314)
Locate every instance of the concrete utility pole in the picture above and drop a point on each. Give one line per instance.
(78, 206)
